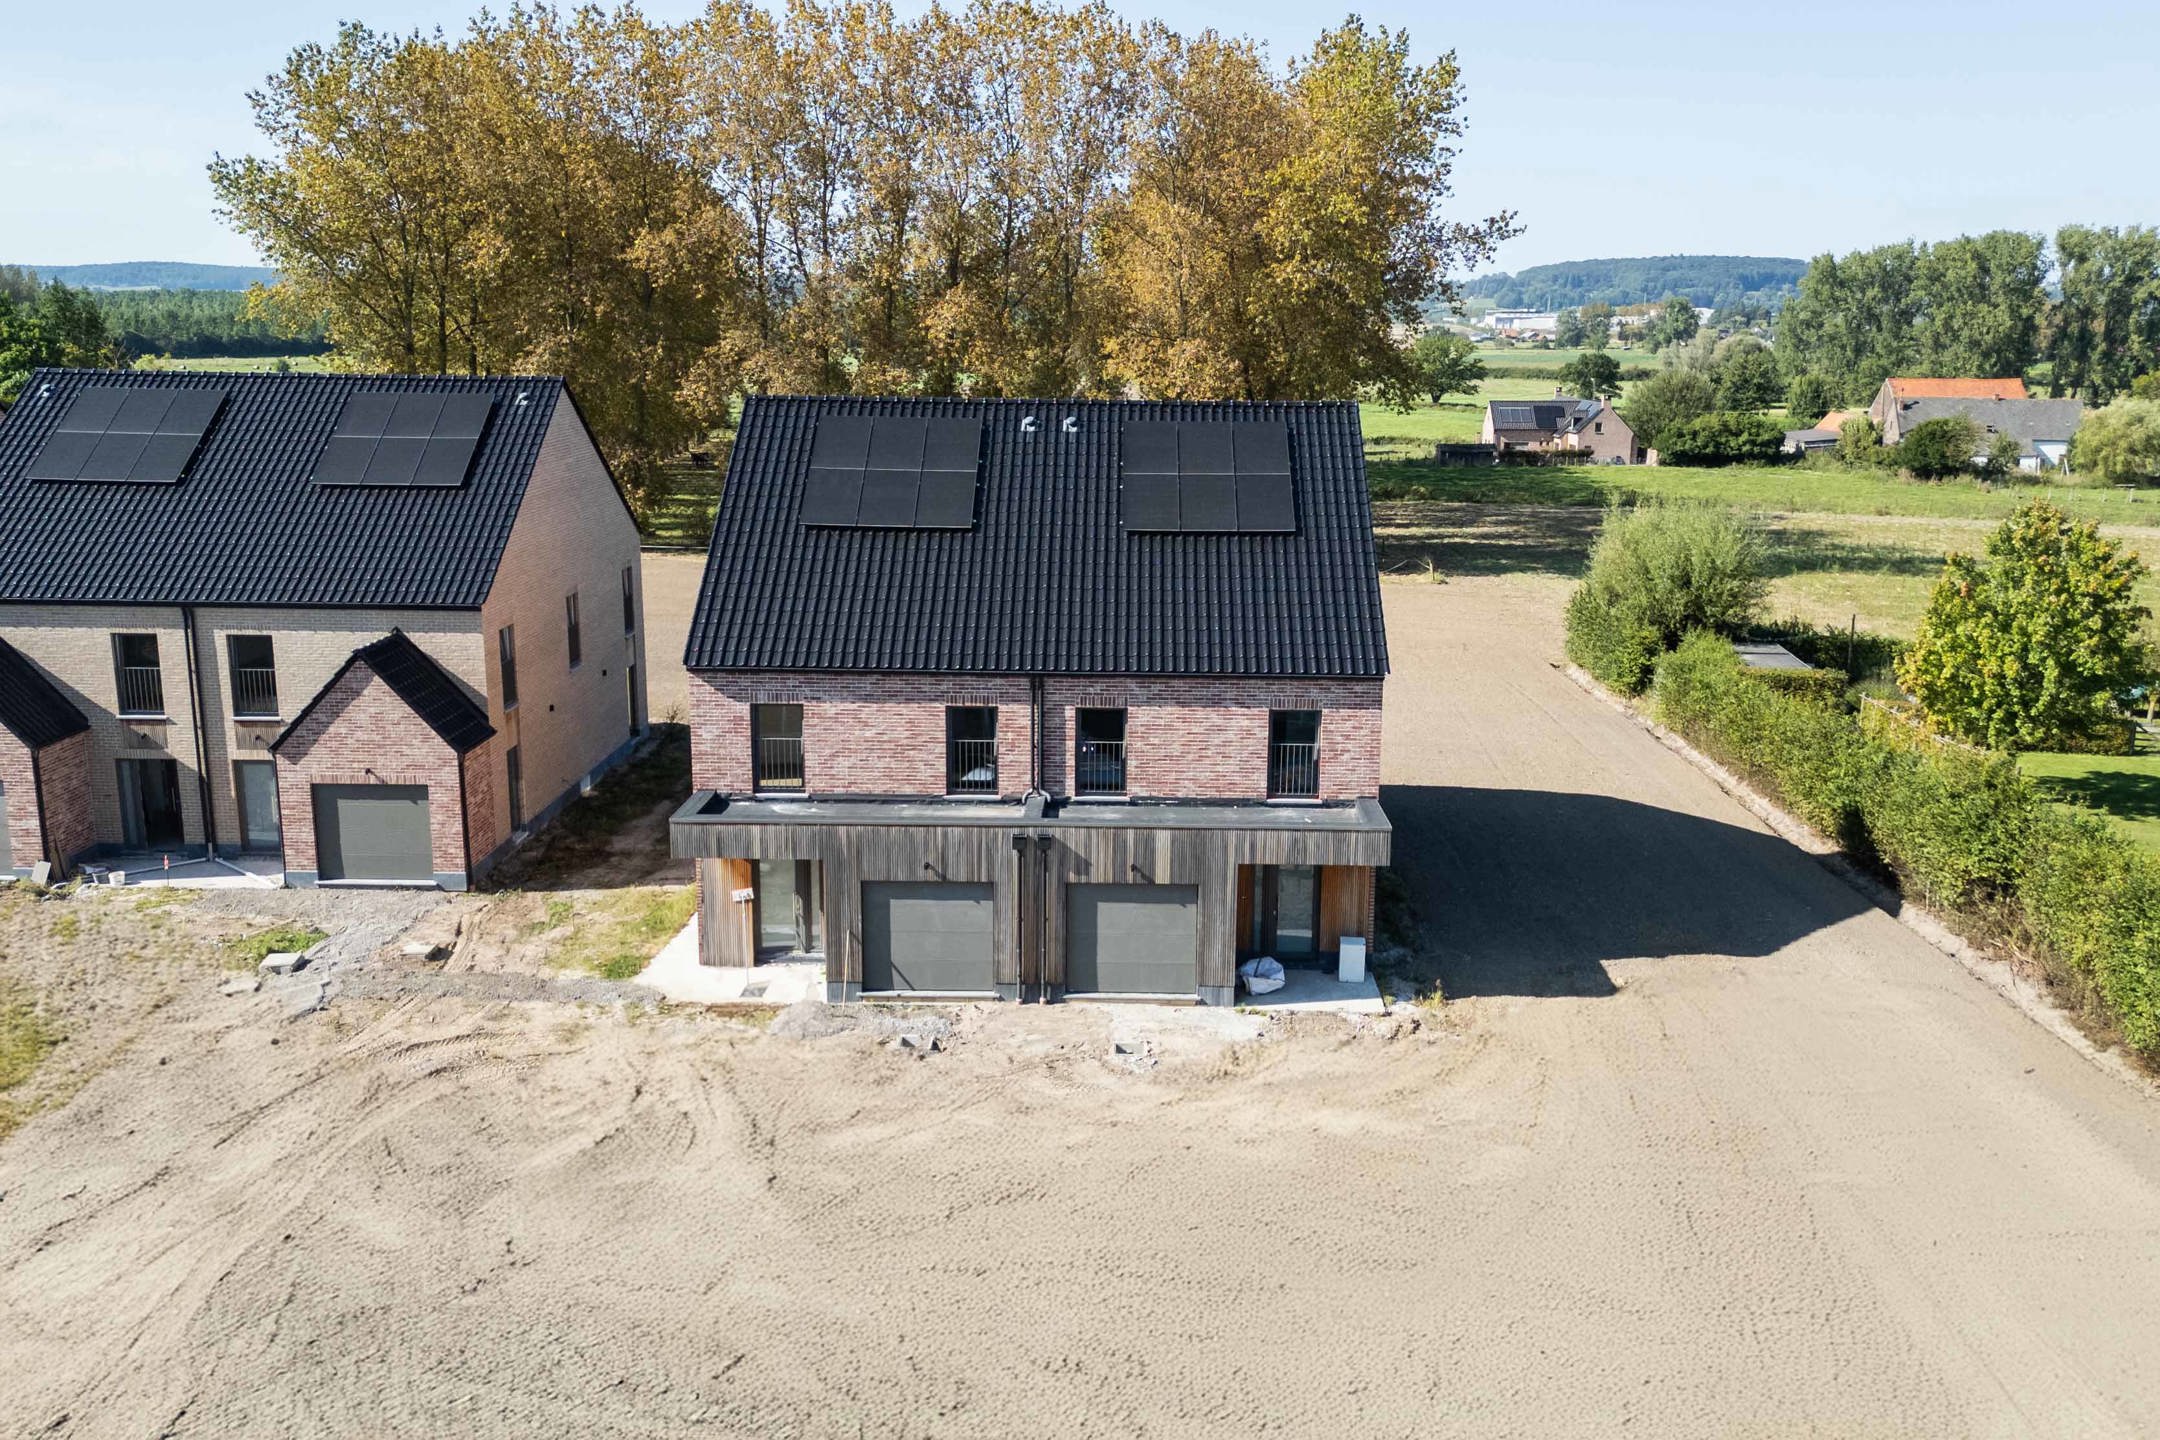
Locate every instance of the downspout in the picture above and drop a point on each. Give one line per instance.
(37, 795)
(195, 713)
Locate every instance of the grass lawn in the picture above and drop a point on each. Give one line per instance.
(1755, 487)
(1499, 361)
(1460, 419)
(2125, 788)
(237, 364)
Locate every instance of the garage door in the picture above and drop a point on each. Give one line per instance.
(1132, 939)
(926, 937)
(373, 832)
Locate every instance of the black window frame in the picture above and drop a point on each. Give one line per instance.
(574, 630)
(514, 775)
(1293, 765)
(243, 690)
(778, 763)
(629, 600)
(965, 753)
(1096, 759)
(506, 654)
(138, 682)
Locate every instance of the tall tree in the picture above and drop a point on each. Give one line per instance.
(1980, 301)
(2105, 330)
(1853, 319)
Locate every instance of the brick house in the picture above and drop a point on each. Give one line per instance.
(1591, 429)
(361, 629)
(1036, 698)
(1893, 393)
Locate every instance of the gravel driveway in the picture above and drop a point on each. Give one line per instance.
(1702, 1147)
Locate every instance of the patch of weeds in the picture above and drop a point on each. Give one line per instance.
(26, 1038)
(620, 932)
(248, 954)
(160, 898)
(68, 926)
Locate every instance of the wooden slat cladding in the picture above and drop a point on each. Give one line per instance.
(1345, 904)
(725, 923)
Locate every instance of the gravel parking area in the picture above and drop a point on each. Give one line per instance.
(1700, 1145)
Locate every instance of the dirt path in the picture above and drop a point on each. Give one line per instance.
(1704, 1148)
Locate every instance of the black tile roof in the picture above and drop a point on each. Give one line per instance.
(1048, 581)
(32, 709)
(248, 525)
(420, 682)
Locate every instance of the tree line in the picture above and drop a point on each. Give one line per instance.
(1004, 199)
(2086, 305)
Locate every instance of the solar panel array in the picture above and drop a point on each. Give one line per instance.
(1207, 477)
(404, 440)
(146, 437)
(893, 472)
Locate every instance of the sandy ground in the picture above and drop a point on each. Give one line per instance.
(1703, 1147)
(671, 586)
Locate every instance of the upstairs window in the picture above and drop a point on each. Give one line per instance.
(253, 666)
(136, 676)
(506, 647)
(776, 749)
(1293, 754)
(576, 637)
(971, 750)
(1099, 752)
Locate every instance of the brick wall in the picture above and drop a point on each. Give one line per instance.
(364, 734)
(18, 792)
(64, 772)
(885, 734)
(572, 533)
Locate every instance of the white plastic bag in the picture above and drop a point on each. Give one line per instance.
(1261, 975)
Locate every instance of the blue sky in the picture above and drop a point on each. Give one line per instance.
(1614, 129)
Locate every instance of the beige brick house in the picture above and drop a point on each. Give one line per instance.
(369, 628)
(1037, 698)
(1589, 429)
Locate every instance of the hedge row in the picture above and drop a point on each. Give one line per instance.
(1963, 829)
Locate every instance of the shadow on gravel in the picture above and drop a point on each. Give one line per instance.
(1530, 892)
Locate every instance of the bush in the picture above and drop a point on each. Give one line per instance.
(2119, 444)
(1619, 652)
(1724, 437)
(1939, 449)
(1808, 398)
(2090, 901)
(2028, 648)
(1859, 442)
(1676, 566)
(1666, 400)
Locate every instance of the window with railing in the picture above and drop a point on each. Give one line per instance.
(1099, 752)
(254, 677)
(1293, 771)
(776, 747)
(141, 685)
(971, 750)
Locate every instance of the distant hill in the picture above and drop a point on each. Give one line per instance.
(1705, 279)
(156, 275)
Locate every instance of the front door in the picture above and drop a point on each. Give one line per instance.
(150, 804)
(790, 902)
(1285, 918)
(255, 781)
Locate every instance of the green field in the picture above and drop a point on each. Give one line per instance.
(2124, 788)
(1392, 434)
(237, 364)
(1499, 360)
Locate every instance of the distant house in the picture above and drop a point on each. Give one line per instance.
(2042, 428)
(1525, 324)
(1812, 440)
(1564, 422)
(1835, 420)
(1900, 388)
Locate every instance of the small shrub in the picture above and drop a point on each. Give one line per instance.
(285, 939)
(1939, 449)
(1808, 398)
(1817, 687)
(2120, 444)
(1859, 443)
(1951, 823)
(1674, 567)
(1619, 652)
(1724, 437)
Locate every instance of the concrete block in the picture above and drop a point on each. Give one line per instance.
(282, 962)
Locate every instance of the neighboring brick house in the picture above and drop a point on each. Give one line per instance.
(1036, 698)
(2042, 428)
(1591, 429)
(195, 561)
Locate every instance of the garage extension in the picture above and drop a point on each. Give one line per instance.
(355, 629)
(1037, 699)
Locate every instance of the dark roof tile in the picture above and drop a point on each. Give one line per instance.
(420, 682)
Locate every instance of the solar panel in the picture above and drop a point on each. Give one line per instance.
(892, 472)
(1207, 477)
(146, 435)
(401, 440)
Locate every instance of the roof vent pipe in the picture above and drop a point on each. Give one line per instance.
(1072, 425)
(1027, 424)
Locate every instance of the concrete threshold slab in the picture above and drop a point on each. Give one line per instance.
(677, 975)
(1320, 990)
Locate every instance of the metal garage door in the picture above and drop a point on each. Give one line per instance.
(373, 832)
(926, 937)
(1132, 939)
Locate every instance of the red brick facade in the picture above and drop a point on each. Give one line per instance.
(62, 772)
(1186, 738)
(362, 733)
